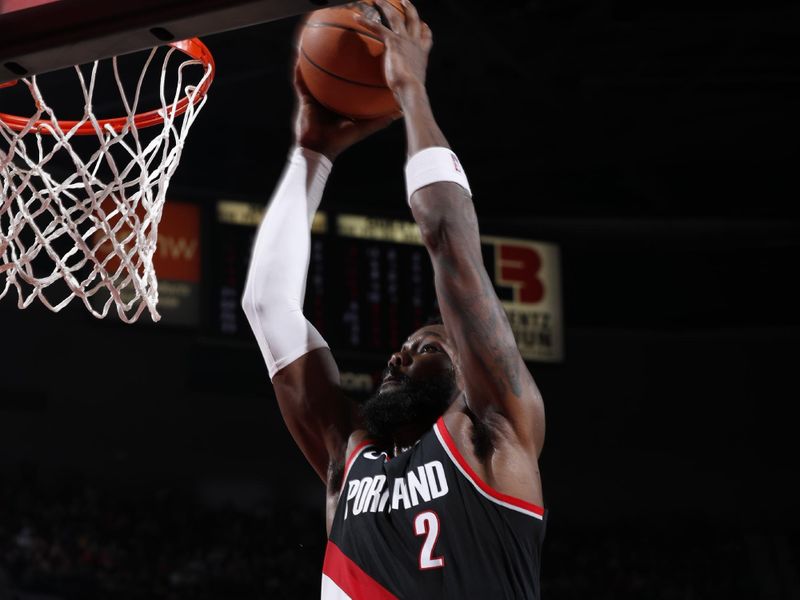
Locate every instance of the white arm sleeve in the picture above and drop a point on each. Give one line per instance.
(276, 282)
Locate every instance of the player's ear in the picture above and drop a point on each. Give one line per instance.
(456, 368)
(460, 383)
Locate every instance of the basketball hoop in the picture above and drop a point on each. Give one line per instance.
(106, 207)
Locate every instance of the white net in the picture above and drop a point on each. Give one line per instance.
(84, 224)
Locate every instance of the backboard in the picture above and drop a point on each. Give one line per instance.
(44, 35)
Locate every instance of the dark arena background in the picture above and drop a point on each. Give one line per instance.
(637, 161)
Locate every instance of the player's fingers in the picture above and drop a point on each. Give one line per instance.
(299, 82)
(413, 22)
(374, 27)
(393, 16)
(426, 35)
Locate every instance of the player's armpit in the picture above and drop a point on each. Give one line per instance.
(316, 411)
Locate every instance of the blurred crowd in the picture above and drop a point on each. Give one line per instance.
(79, 542)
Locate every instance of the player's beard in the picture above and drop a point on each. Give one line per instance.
(406, 403)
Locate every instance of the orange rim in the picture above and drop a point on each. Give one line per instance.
(192, 47)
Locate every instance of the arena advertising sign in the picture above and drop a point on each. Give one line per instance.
(177, 263)
(527, 277)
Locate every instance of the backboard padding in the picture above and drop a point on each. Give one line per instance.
(40, 36)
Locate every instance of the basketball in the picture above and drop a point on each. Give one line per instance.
(342, 63)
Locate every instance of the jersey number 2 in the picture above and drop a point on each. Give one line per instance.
(427, 524)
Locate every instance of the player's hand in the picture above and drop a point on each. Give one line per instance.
(324, 131)
(408, 45)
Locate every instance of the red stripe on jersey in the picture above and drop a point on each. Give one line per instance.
(352, 580)
(489, 490)
(353, 455)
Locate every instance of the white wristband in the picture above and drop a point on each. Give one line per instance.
(433, 165)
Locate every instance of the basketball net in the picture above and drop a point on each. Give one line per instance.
(90, 231)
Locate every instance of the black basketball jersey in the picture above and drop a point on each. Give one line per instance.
(423, 525)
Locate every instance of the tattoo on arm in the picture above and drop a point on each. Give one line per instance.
(481, 314)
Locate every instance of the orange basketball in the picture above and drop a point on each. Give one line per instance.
(342, 63)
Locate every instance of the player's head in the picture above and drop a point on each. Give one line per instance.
(418, 385)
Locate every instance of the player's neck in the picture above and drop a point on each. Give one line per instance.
(405, 437)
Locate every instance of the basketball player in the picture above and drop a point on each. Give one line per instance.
(433, 490)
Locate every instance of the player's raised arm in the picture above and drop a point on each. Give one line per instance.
(495, 378)
(303, 371)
